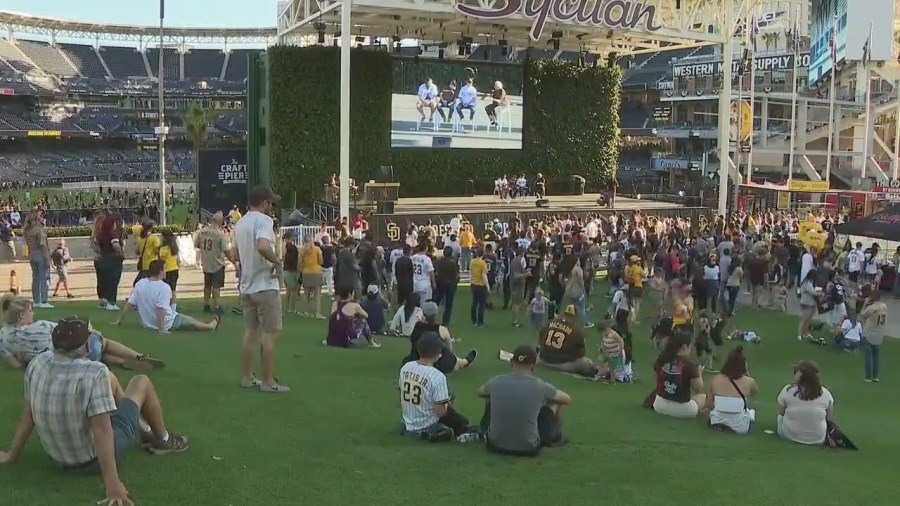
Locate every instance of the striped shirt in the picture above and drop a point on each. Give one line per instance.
(421, 387)
(64, 393)
(27, 341)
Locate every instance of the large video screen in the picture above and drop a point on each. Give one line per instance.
(457, 104)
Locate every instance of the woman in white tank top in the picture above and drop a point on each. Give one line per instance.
(730, 393)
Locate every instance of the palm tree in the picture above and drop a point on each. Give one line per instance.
(196, 119)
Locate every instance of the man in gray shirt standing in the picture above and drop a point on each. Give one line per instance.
(522, 411)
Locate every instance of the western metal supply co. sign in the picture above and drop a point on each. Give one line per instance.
(626, 14)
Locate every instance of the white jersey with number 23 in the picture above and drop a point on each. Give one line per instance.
(421, 387)
(422, 269)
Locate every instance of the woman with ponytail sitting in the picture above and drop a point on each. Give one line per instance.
(679, 382)
(729, 393)
(805, 407)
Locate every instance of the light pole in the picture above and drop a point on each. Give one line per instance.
(162, 129)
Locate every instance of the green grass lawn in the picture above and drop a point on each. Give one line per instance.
(329, 443)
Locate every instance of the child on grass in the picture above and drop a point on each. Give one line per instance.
(538, 310)
(612, 352)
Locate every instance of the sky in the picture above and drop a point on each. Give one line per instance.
(193, 13)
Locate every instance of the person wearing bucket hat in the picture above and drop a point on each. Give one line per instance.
(521, 414)
(85, 421)
(562, 345)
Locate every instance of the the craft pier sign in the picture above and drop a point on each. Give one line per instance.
(624, 14)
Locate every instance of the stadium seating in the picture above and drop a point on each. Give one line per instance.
(237, 64)
(123, 62)
(49, 59)
(203, 64)
(15, 59)
(85, 60)
(633, 115)
(171, 63)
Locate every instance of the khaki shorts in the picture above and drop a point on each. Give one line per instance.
(262, 311)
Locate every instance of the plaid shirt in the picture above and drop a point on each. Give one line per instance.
(64, 394)
(27, 341)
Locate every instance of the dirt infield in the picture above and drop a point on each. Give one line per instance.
(83, 282)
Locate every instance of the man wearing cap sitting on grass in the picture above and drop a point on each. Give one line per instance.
(448, 362)
(562, 345)
(85, 421)
(425, 399)
(522, 411)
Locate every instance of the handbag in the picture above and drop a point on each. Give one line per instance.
(747, 409)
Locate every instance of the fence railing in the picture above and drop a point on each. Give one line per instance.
(124, 185)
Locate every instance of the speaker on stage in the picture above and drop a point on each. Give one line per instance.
(384, 207)
(693, 202)
(542, 203)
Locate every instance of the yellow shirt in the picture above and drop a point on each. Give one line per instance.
(136, 229)
(634, 275)
(479, 268)
(311, 261)
(466, 238)
(681, 312)
(235, 216)
(148, 248)
(170, 261)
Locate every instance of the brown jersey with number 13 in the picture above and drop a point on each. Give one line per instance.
(561, 341)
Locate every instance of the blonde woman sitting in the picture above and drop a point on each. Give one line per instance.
(22, 338)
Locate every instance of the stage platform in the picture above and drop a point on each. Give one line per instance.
(489, 203)
(480, 212)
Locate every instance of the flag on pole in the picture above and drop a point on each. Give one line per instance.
(795, 36)
(832, 42)
(867, 51)
(754, 31)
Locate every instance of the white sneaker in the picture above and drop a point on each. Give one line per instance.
(44, 306)
(102, 303)
(112, 307)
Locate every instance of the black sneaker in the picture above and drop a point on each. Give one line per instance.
(471, 356)
(175, 444)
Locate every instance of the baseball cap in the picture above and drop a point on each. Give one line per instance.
(262, 193)
(430, 309)
(525, 355)
(70, 334)
(373, 289)
(570, 310)
(430, 345)
(634, 258)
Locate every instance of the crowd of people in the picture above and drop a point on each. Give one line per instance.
(688, 275)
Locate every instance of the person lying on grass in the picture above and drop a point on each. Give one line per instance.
(22, 338)
(152, 297)
(85, 421)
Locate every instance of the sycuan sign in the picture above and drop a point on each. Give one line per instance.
(626, 14)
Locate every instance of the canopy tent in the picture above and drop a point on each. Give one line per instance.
(881, 225)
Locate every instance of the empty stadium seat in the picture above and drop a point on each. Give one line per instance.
(123, 62)
(171, 62)
(48, 58)
(203, 64)
(85, 60)
(237, 64)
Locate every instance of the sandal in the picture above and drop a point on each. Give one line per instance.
(218, 319)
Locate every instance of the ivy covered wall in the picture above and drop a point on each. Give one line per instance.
(570, 125)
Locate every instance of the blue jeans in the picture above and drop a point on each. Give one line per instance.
(872, 359)
(479, 302)
(845, 344)
(581, 308)
(465, 259)
(40, 277)
(732, 299)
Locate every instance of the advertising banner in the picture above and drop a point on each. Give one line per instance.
(222, 179)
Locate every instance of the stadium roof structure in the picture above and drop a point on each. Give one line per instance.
(597, 26)
(13, 22)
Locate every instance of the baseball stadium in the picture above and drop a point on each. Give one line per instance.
(525, 250)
